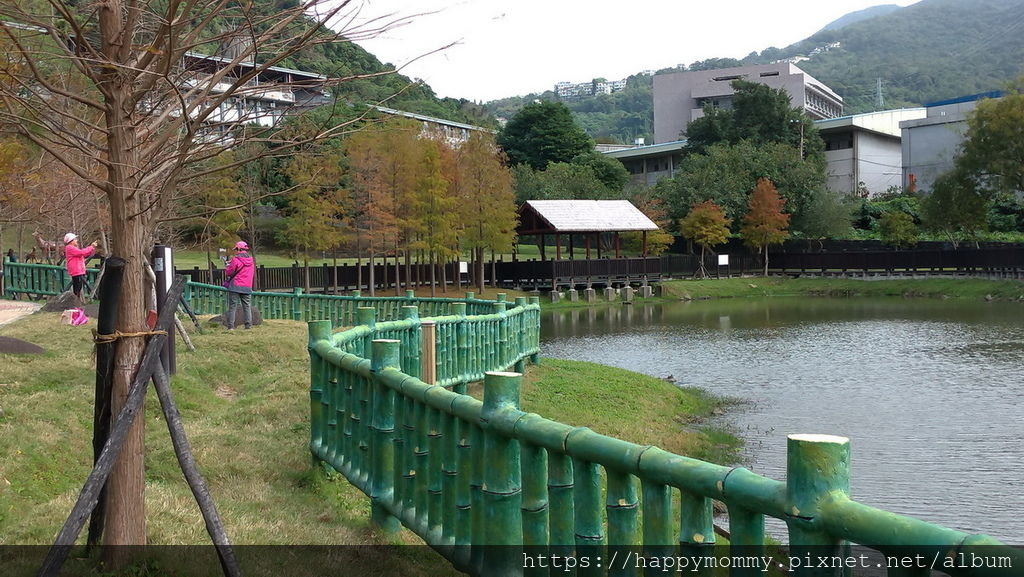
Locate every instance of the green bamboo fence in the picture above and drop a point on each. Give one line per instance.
(496, 490)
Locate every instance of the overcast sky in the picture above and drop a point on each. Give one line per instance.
(518, 47)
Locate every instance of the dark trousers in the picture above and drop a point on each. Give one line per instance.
(77, 282)
(233, 301)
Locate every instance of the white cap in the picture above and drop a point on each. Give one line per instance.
(69, 237)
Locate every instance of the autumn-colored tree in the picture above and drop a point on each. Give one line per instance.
(656, 241)
(436, 208)
(486, 201)
(765, 224)
(314, 218)
(108, 90)
(706, 225)
(375, 222)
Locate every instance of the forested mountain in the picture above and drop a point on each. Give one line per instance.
(859, 15)
(932, 50)
(392, 90)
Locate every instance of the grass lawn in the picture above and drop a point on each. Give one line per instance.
(933, 287)
(244, 400)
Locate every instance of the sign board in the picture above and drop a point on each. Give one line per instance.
(723, 260)
(463, 267)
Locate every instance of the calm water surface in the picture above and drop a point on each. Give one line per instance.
(928, 391)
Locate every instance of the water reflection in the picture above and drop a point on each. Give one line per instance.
(927, 390)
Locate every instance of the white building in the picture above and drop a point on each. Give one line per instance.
(863, 151)
(263, 100)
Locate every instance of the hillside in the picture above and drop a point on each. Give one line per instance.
(932, 50)
(854, 17)
(349, 59)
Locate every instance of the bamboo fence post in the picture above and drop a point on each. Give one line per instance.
(461, 345)
(696, 529)
(318, 331)
(658, 532)
(382, 430)
(536, 513)
(817, 467)
(412, 351)
(502, 488)
(622, 507)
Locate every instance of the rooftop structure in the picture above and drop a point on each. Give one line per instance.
(454, 133)
(263, 100)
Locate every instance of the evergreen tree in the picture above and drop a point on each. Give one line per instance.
(543, 132)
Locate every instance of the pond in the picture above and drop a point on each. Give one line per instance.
(928, 391)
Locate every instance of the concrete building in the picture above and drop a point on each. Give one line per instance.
(931, 143)
(649, 164)
(863, 152)
(680, 97)
(454, 133)
(263, 100)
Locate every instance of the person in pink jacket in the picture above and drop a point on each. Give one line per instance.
(74, 260)
(238, 280)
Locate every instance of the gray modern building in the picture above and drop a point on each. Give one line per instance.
(863, 150)
(930, 144)
(680, 97)
(649, 164)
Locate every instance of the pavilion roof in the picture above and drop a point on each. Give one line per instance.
(552, 216)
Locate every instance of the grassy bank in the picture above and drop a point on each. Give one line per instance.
(244, 400)
(965, 288)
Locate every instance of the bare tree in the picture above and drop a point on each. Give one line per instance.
(133, 96)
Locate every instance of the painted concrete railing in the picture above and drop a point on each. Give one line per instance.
(39, 279)
(499, 491)
(50, 280)
(207, 299)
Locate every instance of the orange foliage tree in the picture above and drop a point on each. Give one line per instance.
(765, 224)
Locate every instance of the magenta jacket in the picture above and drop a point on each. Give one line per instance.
(76, 258)
(240, 270)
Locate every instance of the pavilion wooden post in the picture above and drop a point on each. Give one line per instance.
(617, 244)
(644, 252)
(589, 234)
(558, 246)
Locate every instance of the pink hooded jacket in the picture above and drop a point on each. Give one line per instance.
(241, 271)
(76, 258)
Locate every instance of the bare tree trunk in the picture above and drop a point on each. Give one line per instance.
(433, 275)
(479, 268)
(126, 514)
(126, 518)
(371, 281)
(444, 278)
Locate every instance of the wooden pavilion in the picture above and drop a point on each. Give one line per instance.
(589, 218)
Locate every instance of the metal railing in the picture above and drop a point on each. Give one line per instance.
(492, 487)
